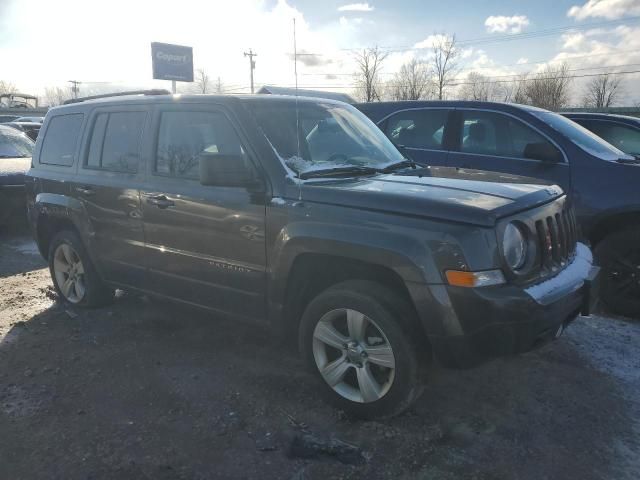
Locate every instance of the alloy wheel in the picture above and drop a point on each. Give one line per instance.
(69, 273)
(353, 355)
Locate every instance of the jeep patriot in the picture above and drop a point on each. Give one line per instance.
(300, 213)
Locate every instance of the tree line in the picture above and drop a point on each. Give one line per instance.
(438, 78)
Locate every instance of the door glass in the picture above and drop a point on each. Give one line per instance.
(184, 136)
(621, 136)
(418, 128)
(492, 133)
(121, 146)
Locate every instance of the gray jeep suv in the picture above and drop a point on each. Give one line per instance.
(301, 213)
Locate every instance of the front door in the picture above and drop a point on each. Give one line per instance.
(204, 244)
(496, 142)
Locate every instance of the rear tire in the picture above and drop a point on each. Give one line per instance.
(74, 277)
(618, 254)
(360, 339)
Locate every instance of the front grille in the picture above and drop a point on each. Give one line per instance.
(556, 236)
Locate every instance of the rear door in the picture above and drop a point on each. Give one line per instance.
(108, 182)
(421, 134)
(498, 142)
(205, 244)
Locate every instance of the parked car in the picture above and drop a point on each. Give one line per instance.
(15, 159)
(301, 213)
(621, 131)
(29, 120)
(31, 129)
(7, 118)
(601, 180)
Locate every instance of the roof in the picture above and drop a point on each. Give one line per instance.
(600, 115)
(342, 97)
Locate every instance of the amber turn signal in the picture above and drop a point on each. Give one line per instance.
(474, 279)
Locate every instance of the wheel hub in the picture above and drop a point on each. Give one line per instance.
(356, 353)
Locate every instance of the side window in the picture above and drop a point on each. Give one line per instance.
(418, 128)
(624, 137)
(185, 136)
(115, 141)
(492, 133)
(59, 145)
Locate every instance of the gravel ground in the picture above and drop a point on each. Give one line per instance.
(144, 389)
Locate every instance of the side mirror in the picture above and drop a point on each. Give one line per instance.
(223, 170)
(542, 151)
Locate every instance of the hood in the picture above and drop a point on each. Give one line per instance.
(12, 170)
(459, 200)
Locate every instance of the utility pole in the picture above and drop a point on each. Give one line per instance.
(252, 64)
(75, 89)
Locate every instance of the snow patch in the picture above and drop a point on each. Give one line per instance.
(571, 277)
(278, 201)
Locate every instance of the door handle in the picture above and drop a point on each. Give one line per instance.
(160, 201)
(86, 191)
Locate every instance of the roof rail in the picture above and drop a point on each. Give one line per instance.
(155, 91)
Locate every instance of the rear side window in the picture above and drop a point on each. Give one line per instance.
(418, 128)
(115, 141)
(184, 136)
(59, 144)
(491, 133)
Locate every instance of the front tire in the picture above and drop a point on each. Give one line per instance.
(360, 340)
(74, 277)
(618, 254)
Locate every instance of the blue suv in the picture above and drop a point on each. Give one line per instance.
(460, 138)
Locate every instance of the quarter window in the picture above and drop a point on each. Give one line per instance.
(491, 133)
(115, 141)
(185, 136)
(418, 128)
(59, 145)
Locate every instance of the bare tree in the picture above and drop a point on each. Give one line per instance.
(478, 87)
(549, 88)
(7, 87)
(412, 82)
(202, 82)
(513, 91)
(367, 77)
(603, 91)
(444, 63)
(56, 96)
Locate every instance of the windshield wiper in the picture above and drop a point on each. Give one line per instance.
(328, 172)
(407, 162)
(629, 161)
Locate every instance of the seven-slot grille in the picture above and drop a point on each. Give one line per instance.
(557, 236)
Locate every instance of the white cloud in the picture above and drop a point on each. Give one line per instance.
(356, 7)
(609, 9)
(522, 61)
(503, 24)
(430, 41)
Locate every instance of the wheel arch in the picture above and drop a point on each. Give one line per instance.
(613, 222)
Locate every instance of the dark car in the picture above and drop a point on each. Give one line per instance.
(8, 118)
(621, 131)
(30, 129)
(300, 213)
(505, 139)
(15, 159)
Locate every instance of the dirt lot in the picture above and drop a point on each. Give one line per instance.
(147, 390)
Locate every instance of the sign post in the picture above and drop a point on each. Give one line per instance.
(172, 62)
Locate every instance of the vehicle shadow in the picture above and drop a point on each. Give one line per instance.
(146, 389)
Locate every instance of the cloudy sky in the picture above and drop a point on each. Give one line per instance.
(45, 43)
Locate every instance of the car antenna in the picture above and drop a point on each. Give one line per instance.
(295, 72)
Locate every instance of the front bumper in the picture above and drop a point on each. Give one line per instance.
(505, 320)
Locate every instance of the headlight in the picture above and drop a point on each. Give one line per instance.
(514, 247)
